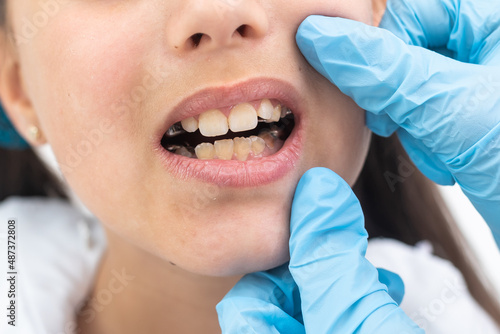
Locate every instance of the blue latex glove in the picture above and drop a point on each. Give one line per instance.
(329, 285)
(446, 112)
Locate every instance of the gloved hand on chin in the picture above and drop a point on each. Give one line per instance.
(328, 286)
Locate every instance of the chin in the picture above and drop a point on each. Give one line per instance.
(239, 240)
(238, 259)
(262, 259)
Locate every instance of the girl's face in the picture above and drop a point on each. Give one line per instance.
(105, 80)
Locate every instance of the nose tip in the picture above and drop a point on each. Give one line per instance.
(210, 24)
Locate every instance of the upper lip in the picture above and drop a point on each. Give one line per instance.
(230, 95)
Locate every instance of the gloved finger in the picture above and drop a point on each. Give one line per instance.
(339, 287)
(467, 28)
(394, 283)
(269, 302)
(381, 124)
(428, 164)
(428, 95)
(261, 303)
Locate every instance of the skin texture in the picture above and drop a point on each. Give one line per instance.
(71, 76)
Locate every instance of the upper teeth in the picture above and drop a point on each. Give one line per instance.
(243, 117)
(266, 109)
(190, 124)
(213, 123)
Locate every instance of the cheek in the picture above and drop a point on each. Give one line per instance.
(340, 139)
(88, 89)
(346, 151)
(359, 10)
(354, 144)
(379, 7)
(85, 71)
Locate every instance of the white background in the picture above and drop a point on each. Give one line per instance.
(476, 231)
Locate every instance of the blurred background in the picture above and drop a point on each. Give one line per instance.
(475, 231)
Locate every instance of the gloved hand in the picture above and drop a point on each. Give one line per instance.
(446, 111)
(329, 285)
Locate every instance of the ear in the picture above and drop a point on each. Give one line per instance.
(13, 94)
(378, 10)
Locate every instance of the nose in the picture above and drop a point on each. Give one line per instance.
(212, 24)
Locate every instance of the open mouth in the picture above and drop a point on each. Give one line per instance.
(252, 130)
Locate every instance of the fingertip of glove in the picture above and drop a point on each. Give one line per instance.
(394, 283)
(316, 28)
(319, 177)
(381, 124)
(308, 37)
(347, 52)
(320, 183)
(312, 23)
(323, 25)
(323, 193)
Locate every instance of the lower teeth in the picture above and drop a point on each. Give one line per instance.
(184, 151)
(239, 148)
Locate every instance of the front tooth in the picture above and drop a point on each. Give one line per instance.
(266, 109)
(213, 123)
(224, 149)
(258, 145)
(190, 124)
(243, 117)
(205, 151)
(242, 147)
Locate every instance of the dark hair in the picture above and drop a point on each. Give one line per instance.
(23, 174)
(404, 207)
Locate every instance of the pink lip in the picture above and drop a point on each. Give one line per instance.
(232, 173)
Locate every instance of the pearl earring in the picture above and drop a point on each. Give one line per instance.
(34, 133)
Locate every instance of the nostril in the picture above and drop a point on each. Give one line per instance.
(196, 39)
(242, 30)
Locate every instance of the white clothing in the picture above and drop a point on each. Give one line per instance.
(436, 295)
(59, 251)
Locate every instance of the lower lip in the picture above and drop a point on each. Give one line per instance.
(234, 173)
